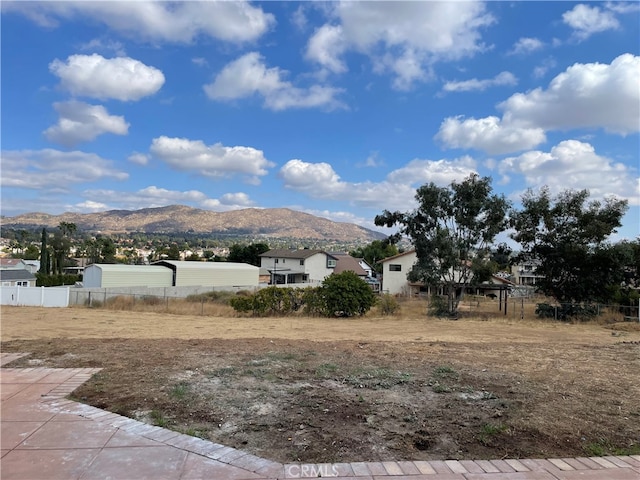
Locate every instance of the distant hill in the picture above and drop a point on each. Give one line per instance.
(270, 222)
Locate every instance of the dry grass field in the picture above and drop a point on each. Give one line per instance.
(404, 387)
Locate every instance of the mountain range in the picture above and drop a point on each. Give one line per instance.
(270, 222)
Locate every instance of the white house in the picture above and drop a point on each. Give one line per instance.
(17, 278)
(525, 274)
(396, 268)
(298, 266)
(394, 274)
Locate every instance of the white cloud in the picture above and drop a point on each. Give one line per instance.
(49, 169)
(372, 161)
(98, 44)
(592, 95)
(88, 206)
(138, 158)
(489, 134)
(236, 199)
(623, 7)
(248, 75)
(526, 45)
(502, 79)
(396, 191)
(94, 76)
(299, 18)
(81, 122)
(180, 22)
(404, 38)
(542, 69)
(575, 165)
(586, 20)
(589, 95)
(201, 62)
(214, 161)
(153, 196)
(440, 172)
(326, 46)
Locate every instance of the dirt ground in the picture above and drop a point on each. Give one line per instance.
(368, 389)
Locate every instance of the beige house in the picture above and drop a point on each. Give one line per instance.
(17, 278)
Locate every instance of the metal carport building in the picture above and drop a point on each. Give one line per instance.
(102, 275)
(212, 274)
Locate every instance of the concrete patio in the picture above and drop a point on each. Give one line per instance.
(45, 436)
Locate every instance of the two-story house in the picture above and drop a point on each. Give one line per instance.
(525, 274)
(298, 266)
(396, 268)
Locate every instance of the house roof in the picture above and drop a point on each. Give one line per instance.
(11, 262)
(182, 265)
(14, 275)
(408, 252)
(121, 267)
(299, 254)
(348, 263)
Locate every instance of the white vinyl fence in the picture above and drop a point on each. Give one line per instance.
(35, 296)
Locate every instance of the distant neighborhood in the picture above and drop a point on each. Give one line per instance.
(287, 267)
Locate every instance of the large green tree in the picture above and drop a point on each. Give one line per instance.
(566, 237)
(101, 249)
(451, 231)
(247, 253)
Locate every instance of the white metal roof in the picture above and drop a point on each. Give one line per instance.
(121, 267)
(207, 265)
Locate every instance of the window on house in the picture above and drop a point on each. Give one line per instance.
(394, 267)
(331, 262)
(277, 260)
(301, 262)
(22, 284)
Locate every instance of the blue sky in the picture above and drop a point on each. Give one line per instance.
(337, 109)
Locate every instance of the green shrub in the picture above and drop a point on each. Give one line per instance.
(268, 301)
(44, 280)
(345, 294)
(313, 301)
(242, 304)
(438, 306)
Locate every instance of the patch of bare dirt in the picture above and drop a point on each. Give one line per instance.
(368, 389)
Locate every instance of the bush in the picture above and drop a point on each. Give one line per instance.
(44, 280)
(388, 304)
(273, 301)
(268, 301)
(346, 294)
(567, 311)
(243, 304)
(438, 306)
